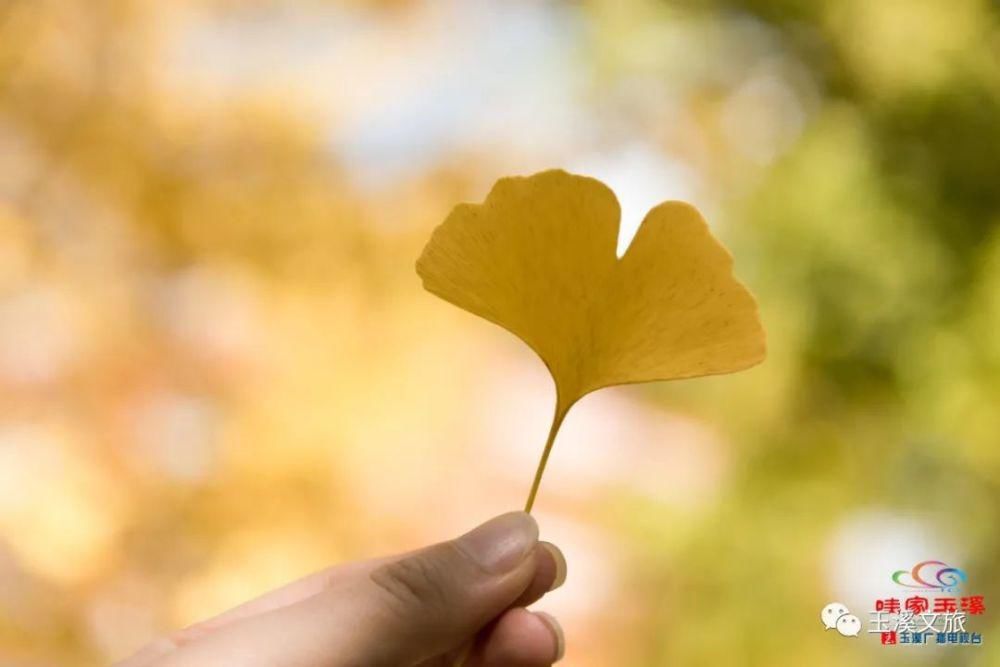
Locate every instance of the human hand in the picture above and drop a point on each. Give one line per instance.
(455, 603)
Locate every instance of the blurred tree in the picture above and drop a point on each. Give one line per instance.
(878, 230)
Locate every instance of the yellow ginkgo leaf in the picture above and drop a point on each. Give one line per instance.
(538, 258)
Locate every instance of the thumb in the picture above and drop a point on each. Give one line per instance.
(432, 600)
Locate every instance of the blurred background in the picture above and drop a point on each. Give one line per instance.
(219, 372)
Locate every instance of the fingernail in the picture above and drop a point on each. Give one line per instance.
(560, 562)
(557, 633)
(500, 544)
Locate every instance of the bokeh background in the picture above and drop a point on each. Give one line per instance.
(218, 370)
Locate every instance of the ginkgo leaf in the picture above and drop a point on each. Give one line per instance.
(538, 257)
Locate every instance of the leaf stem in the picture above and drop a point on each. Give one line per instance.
(557, 419)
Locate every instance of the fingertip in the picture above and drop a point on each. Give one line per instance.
(559, 564)
(558, 636)
(550, 574)
(502, 543)
(521, 638)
